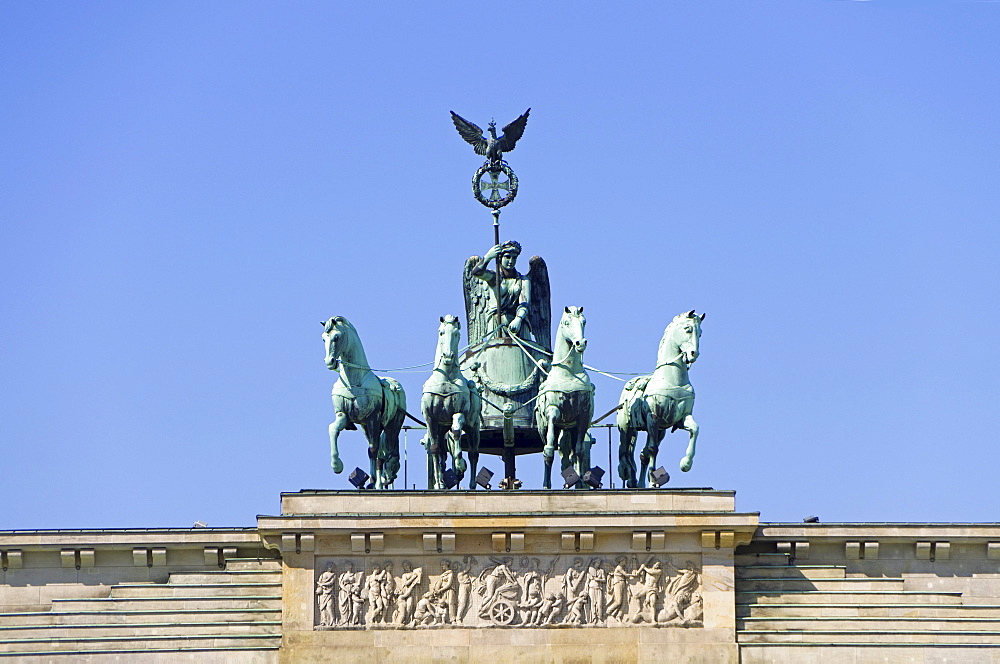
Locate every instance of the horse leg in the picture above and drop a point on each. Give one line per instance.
(473, 433)
(390, 443)
(582, 444)
(336, 427)
(691, 427)
(440, 460)
(644, 456)
(426, 443)
(654, 435)
(455, 444)
(568, 453)
(427, 408)
(373, 432)
(626, 456)
(549, 433)
(434, 469)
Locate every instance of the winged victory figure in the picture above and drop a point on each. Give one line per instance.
(523, 297)
(491, 147)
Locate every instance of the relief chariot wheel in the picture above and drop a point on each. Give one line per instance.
(502, 612)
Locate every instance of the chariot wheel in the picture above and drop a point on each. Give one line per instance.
(502, 612)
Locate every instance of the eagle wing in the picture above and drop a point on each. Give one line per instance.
(472, 134)
(511, 133)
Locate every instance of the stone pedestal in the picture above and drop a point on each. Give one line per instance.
(509, 576)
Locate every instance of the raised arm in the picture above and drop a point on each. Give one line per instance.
(480, 270)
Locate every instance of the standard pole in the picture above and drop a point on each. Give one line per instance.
(496, 284)
(509, 464)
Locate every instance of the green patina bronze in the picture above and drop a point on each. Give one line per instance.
(513, 390)
(565, 405)
(451, 407)
(493, 148)
(662, 401)
(361, 397)
(509, 331)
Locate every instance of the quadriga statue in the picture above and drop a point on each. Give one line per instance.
(662, 401)
(361, 397)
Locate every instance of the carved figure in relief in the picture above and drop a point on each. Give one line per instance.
(679, 596)
(576, 610)
(574, 581)
(618, 590)
(533, 582)
(406, 589)
(532, 586)
(531, 607)
(694, 612)
(349, 582)
(357, 605)
(496, 583)
(381, 590)
(325, 589)
(430, 610)
(552, 607)
(649, 591)
(596, 583)
(445, 587)
(464, 578)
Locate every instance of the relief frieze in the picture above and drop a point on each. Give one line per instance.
(508, 591)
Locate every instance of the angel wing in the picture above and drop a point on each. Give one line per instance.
(473, 135)
(511, 133)
(477, 303)
(539, 309)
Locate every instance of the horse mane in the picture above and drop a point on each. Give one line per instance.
(680, 317)
(340, 320)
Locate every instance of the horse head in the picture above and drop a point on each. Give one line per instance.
(684, 334)
(570, 332)
(336, 335)
(449, 334)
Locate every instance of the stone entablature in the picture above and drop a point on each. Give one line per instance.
(439, 563)
(769, 592)
(86, 563)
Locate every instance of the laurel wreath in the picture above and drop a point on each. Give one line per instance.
(478, 191)
(509, 390)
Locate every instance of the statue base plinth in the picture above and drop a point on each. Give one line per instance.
(623, 575)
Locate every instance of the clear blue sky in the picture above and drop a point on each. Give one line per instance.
(186, 189)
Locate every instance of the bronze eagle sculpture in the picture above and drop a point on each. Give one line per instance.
(491, 147)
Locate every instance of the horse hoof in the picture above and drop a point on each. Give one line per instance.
(686, 464)
(338, 466)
